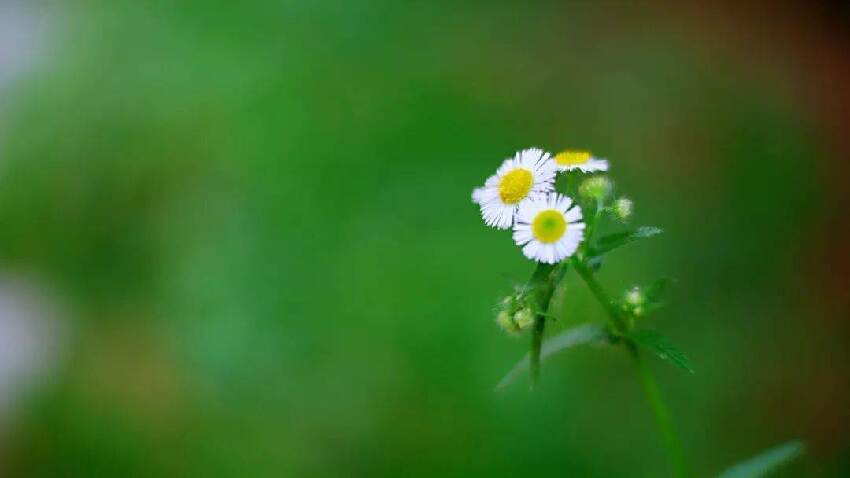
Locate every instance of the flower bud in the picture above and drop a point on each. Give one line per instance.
(506, 322)
(524, 318)
(622, 209)
(634, 296)
(505, 314)
(633, 300)
(596, 188)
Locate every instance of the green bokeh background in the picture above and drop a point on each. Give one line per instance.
(258, 216)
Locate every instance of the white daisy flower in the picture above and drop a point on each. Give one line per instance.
(529, 172)
(549, 228)
(581, 160)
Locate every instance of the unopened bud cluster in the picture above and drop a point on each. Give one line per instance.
(598, 190)
(513, 315)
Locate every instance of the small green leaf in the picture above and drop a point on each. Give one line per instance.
(766, 462)
(613, 241)
(579, 335)
(662, 347)
(655, 295)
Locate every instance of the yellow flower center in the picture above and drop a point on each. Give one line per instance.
(549, 226)
(572, 158)
(515, 186)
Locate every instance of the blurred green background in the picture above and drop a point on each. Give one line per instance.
(236, 237)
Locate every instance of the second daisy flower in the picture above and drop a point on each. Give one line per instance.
(549, 228)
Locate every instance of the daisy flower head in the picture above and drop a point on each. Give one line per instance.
(529, 172)
(579, 160)
(549, 228)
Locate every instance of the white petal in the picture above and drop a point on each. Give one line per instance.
(573, 214)
(522, 234)
(531, 250)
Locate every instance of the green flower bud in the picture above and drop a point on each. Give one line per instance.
(622, 209)
(505, 314)
(506, 322)
(524, 318)
(596, 188)
(633, 301)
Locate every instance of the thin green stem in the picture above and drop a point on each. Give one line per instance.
(650, 386)
(662, 414)
(593, 219)
(600, 295)
(536, 345)
(542, 287)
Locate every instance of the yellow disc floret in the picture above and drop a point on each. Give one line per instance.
(549, 226)
(515, 186)
(572, 158)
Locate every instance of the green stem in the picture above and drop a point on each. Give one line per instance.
(592, 219)
(662, 415)
(650, 386)
(536, 345)
(600, 295)
(543, 288)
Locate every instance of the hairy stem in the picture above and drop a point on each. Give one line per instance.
(650, 386)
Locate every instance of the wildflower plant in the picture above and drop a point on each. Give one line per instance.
(555, 207)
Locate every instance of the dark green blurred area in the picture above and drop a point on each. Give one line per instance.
(259, 217)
